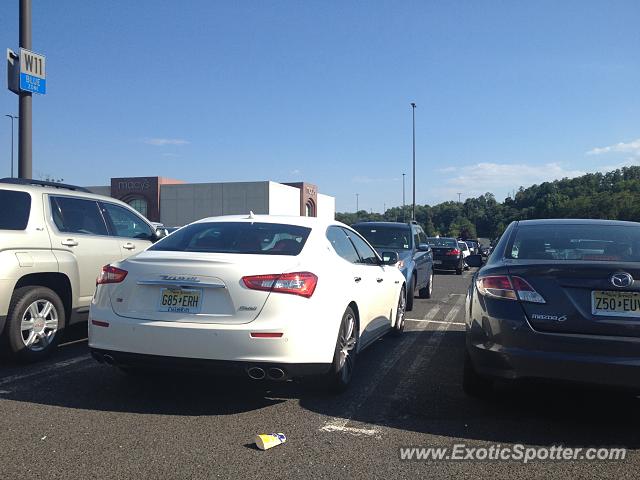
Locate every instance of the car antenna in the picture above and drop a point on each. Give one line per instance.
(251, 215)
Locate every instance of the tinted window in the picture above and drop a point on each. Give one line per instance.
(237, 237)
(442, 242)
(75, 215)
(367, 254)
(422, 237)
(14, 210)
(392, 238)
(463, 246)
(605, 243)
(342, 245)
(127, 224)
(416, 238)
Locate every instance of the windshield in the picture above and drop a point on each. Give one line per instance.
(393, 238)
(236, 237)
(605, 243)
(442, 242)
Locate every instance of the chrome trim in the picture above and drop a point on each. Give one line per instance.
(172, 283)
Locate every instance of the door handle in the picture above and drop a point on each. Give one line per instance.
(379, 280)
(129, 246)
(357, 279)
(69, 242)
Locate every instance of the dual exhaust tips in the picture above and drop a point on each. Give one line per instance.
(273, 373)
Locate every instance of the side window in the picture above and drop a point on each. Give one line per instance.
(127, 224)
(416, 237)
(76, 215)
(422, 237)
(14, 211)
(367, 255)
(342, 245)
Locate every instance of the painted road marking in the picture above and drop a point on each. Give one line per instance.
(433, 321)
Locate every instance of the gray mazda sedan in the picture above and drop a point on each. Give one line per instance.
(558, 300)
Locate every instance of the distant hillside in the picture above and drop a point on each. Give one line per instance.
(613, 195)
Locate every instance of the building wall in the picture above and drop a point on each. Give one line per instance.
(326, 207)
(106, 190)
(283, 199)
(182, 204)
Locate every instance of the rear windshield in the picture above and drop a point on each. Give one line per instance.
(442, 242)
(393, 238)
(14, 210)
(605, 243)
(236, 237)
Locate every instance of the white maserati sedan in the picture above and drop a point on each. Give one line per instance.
(264, 296)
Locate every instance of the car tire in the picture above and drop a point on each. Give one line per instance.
(474, 384)
(398, 326)
(459, 271)
(35, 323)
(428, 290)
(411, 293)
(344, 356)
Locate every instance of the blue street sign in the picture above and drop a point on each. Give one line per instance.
(31, 83)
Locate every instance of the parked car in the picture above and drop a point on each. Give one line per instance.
(474, 246)
(54, 239)
(447, 254)
(559, 300)
(464, 248)
(261, 296)
(410, 243)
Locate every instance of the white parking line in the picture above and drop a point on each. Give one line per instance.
(339, 424)
(433, 321)
(47, 369)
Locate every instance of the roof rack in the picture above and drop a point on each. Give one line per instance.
(29, 181)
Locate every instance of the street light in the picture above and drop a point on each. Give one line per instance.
(357, 195)
(413, 111)
(12, 117)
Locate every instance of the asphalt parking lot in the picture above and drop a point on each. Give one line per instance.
(73, 418)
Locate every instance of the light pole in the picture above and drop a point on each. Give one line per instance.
(357, 199)
(12, 117)
(413, 111)
(459, 196)
(24, 102)
(404, 208)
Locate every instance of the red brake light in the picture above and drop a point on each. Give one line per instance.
(455, 251)
(508, 288)
(298, 283)
(111, 274)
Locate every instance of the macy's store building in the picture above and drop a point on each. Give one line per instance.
(175, 203)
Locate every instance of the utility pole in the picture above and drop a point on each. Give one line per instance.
(459, 196)
(404, 209)
(12, 117)
(413, 111)
(24, 122)
(357, 200)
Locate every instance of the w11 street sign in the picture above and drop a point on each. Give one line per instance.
(32, 72)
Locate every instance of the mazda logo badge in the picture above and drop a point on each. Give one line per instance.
(621, 280)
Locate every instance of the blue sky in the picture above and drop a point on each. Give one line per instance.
(509, 93)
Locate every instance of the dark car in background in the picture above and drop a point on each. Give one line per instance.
(447, 254)
(474, 246)
(409, 241)
(557, 300)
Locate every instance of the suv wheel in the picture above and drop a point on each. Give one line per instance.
(35, 323)
(426, 291)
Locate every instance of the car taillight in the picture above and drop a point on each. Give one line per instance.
(111, 274)
(508, 288)
(455, 251)
(298, 283)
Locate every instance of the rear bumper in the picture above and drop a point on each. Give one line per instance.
(217, 367)
(509, 348)
(452, 263)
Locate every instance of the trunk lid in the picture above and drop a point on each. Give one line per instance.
(202, 287)
(568, 290)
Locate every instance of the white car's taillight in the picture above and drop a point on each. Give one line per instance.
(508, 288)
(111, 274)
(298, 283)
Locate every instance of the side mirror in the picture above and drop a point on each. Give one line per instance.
(424, 247)
(474, 260)
(390, 258)
(159, 233)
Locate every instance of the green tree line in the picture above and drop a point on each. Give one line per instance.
(613, 195)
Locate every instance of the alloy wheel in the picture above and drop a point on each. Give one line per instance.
(39, 325)
(347, 344)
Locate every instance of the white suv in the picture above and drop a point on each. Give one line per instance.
(54, 240)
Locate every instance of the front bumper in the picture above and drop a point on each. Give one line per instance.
(507, 347)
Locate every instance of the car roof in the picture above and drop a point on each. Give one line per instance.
(382, 224)
(61, 190)
(311, 222)
(577, 221)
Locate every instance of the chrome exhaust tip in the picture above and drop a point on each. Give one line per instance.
(256, 373)
(276, 374)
